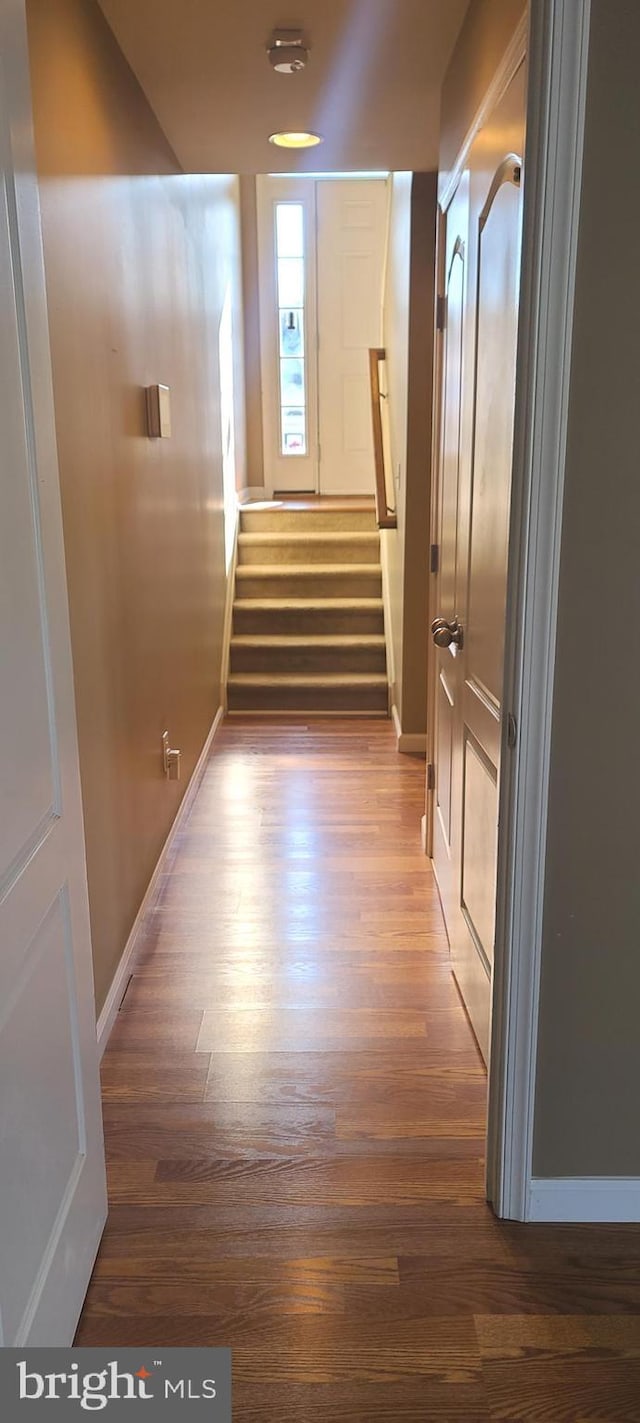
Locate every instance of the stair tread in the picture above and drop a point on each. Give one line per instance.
(302, 570)
(297, 640)
(310, 536)
(305, 679)
(303, 604)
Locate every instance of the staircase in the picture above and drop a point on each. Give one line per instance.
(308, 627)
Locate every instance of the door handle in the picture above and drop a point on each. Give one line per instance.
(444, 633)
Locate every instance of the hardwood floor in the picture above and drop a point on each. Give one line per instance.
(294, 1116)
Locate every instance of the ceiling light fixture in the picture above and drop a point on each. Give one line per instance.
(287, 51)
(295, 140)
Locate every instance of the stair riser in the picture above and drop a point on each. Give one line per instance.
(275, 660)
(321, 585)
(299, 622)
(314, 699)
(346, 550)
(302, 520)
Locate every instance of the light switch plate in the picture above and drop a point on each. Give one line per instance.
(158, 412)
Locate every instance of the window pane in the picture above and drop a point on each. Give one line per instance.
(292, 382)
(291, 295)
(291, 333)
(294, 438)
(290, 281)
(290, 230)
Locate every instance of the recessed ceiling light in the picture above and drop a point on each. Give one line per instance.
(295, 140)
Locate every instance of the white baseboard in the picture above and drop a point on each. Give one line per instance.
(423, 833)
(123, 972)
(410, 743)
(255, 494)
(413, 743)
(591, 1199)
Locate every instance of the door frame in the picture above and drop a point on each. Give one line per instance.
(555, 36)
(558, 62)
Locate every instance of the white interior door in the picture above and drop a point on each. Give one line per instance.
(446, 663)
(351, 238)
(482, 280)
(288, 333)
(52, 1179)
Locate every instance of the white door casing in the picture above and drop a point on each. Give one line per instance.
(52, 1176)
(351, 239)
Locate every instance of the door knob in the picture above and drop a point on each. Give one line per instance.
(445, 633)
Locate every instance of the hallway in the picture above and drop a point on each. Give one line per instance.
(294, 1120)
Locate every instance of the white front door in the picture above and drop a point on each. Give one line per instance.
(351, 239)
(321, 249)
(52, 1178)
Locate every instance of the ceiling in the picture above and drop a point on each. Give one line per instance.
(371, 88)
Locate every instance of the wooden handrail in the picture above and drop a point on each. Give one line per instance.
(385, 517)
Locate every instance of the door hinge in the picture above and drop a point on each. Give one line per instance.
(434, 558)
(512, 731)
(441, 313)
(431, 777)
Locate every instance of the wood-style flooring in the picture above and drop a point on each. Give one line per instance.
(294, 1116)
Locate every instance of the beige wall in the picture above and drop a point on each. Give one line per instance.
(483, 39)
(408, 341)
(138, 261)
(586, 1118)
